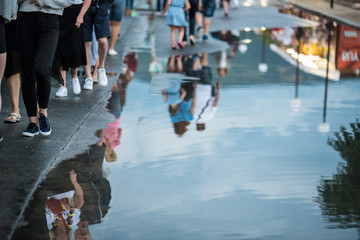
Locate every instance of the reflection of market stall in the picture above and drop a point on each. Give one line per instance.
(313, 47)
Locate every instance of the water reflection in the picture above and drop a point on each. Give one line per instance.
(339, 197)
(190, 92)
(75, 194)
(223, 58)
(63, 210)
(62, 203)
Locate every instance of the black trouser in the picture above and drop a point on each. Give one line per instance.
(37, 35)
(2, 36)
(192, 13)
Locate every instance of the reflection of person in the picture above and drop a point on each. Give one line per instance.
(205, 104)
(110, 136)
(97, 190)
(223, 57)
(173, 96)
(96, 194)
(175, 64)
(63, 210)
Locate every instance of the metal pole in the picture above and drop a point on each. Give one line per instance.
(263, 47)
(298, 36)
(330, 25)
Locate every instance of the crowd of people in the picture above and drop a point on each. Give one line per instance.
(42, 40)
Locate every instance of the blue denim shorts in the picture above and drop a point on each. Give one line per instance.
(117, 10)
(97, 18)
(208, 8)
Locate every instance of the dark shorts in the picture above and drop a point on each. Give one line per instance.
(97, 17)
(206, 76)
(208, 8)
(2, 36)
(117, 10)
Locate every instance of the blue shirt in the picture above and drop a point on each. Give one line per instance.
(183, 114)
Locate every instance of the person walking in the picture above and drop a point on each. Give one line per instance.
(192, 13)
(97, 19)
(116, 13)
(205, 12)
(176, 20)
(7, 11)
(37, 35)
(70, 51)
(12, 72)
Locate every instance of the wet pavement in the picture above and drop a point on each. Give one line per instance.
(237, 154)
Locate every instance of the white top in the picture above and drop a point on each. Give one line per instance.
(204, 109)
(51, 217)
(78, 1)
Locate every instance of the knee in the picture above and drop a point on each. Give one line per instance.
(115, 23)
(102, 41)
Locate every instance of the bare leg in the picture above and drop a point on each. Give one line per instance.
(95, 73)
(88, 60)
(205, 60)
(199, 19)
(196, 64)
(171, 64)
(181, 34)
(226, 8)
(103, 47)
(179, 65)
(74, 72)
(115, 29)
(173, 35)
(2, 69)
(13, 83)
(206, 25)
(63, 75)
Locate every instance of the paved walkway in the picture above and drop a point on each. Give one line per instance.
(24, 162)
(339, 13)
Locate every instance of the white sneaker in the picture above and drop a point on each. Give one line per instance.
(88, 84)
(61, 92)
(103, 80)
(76, 86)
(112, 52)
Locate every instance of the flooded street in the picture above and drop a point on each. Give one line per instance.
(208, 145)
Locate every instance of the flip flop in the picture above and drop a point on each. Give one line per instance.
(12, 118)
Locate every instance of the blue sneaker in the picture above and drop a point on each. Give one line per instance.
(205, 38)
(31, 130)
(44, 124)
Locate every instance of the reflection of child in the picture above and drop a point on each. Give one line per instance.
(173, 96)
(176, 20)
(63, 210)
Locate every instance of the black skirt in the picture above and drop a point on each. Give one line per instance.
(70, 52)
(13, 62)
